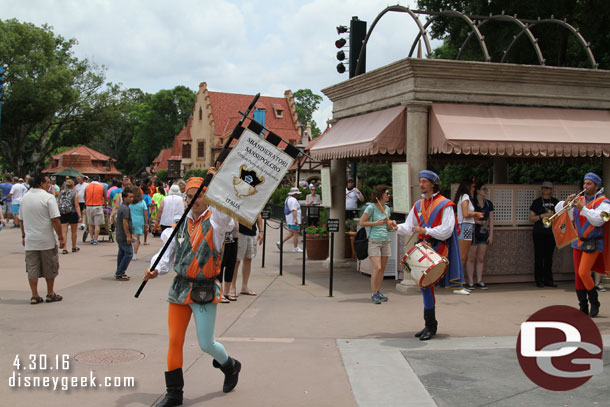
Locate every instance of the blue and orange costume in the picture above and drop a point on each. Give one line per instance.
(436, 214)
(594, 231)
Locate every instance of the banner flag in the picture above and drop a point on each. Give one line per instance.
(248, 176)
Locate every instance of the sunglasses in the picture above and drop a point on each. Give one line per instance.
(387, 193)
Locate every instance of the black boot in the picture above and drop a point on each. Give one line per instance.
(430, 329)
(582, 301)
(594, 302)
(174, 382)
(231, 370)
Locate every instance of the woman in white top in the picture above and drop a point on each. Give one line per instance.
(172, 207)
(465, 217)
(313, 199)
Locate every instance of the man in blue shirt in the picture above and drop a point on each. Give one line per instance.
(5, 189)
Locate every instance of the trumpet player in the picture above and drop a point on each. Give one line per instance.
(591, 250)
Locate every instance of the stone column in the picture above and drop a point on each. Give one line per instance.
(417, 157)
(500, 170)
(337, 211)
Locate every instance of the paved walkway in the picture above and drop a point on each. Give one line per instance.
(298, 346)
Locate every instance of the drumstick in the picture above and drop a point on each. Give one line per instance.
(386, 215)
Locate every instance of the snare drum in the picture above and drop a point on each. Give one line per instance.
(427, 267)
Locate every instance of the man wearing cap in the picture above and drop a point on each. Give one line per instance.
(544, 241)
(591, 252)
(196, 255)
(352, 196)
(95, 196)
(292, 210)
(434, 220)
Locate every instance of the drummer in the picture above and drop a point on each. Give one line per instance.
(433, 219)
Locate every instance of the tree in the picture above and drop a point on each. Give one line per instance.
(159, 118)
(591, 17)
(306, 103)
(51, 97)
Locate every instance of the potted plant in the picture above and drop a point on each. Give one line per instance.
(317, 242)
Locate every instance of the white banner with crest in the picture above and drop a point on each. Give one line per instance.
(247, 178)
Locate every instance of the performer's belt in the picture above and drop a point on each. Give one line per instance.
(202, 281)
(589, 244)
(432, 242)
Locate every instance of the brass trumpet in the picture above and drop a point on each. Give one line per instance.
(547, 222)
(605, 216)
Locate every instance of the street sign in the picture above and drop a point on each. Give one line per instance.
(332, 225)
(265, 214)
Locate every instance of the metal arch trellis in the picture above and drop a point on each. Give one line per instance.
(524, 29)
(570, 28)
(524, 25)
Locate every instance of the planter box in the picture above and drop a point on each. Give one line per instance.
(317, 249)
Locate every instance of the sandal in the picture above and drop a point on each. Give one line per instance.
(224, 299)
(231, 297)
(249, 292)
(122, 277)
(64, 251)
(36, 300)
(54, 297)
(75, 249)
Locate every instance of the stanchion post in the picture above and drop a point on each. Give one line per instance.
(281, 243)
(265, 216)
(304, 254)
(333, 227)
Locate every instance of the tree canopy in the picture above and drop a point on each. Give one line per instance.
(306, 103)
(50, 97)
(559, 47)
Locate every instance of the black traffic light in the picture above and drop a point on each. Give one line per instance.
(357, 33)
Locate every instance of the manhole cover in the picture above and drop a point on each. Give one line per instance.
(109, 356)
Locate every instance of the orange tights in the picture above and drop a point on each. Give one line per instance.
(583, 264)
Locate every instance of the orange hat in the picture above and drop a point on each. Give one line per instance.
(194, 182)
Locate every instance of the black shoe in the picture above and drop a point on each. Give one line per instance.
(583, 303)
(174, 382)
(231, 370)
(550, 284)
(426, 334)
(417, 335)
(594, 302)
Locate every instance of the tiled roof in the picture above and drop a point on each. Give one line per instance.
(84, 150)
(160, 163)
(226, 108)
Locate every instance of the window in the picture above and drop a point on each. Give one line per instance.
(200, 114)
(186, 150)
(279, 113)
(200, 149)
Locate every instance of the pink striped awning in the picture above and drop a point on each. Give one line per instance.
(518, 131)
(381, 132)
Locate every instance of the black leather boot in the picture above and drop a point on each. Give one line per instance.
(431, 324)
(174, 383)
(583, 303)
(231, 370)
(594, 302)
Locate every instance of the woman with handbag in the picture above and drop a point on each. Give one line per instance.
(195, 290)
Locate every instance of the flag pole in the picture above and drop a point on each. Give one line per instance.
(221, 157)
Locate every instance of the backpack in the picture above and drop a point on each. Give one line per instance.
(361, 244)
(66, 201)
(286, 209)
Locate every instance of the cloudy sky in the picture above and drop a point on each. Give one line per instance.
(236, 46)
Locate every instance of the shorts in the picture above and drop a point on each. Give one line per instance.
(479, 240)
(293, 227)
(42, 263)
(378, 249)
(71, 218)
(15, 209)
(95, 215)
(246, 247)
(82, 206)
(466, 231)
(6, 208)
